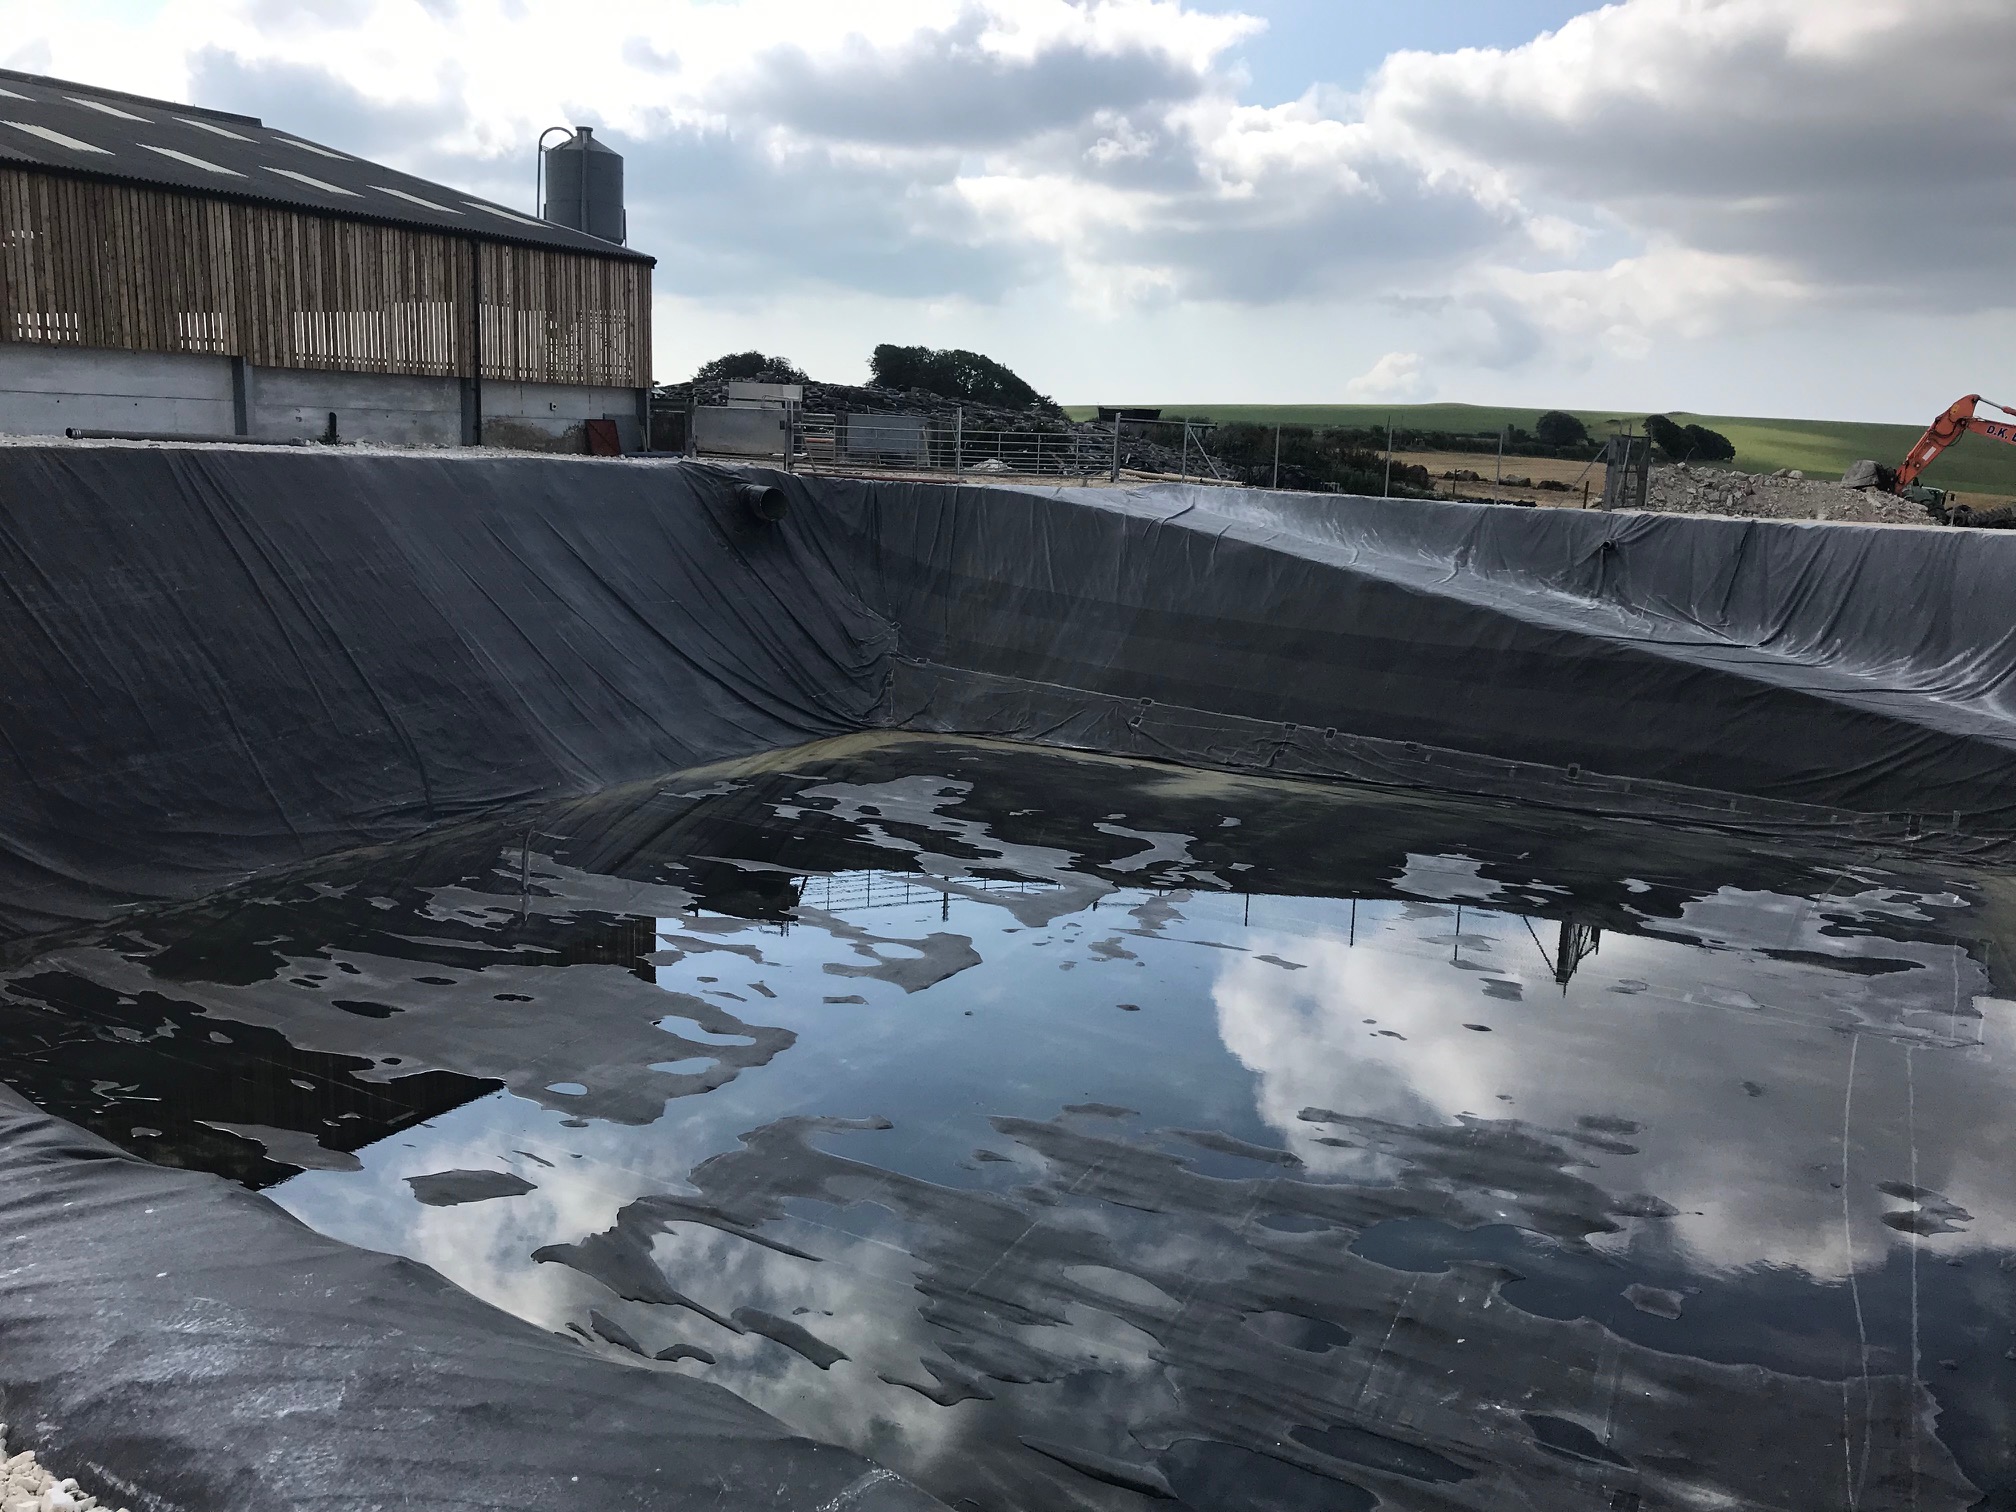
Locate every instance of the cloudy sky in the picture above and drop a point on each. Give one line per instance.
(1775, 207)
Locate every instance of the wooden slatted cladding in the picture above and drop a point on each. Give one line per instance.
(91, 264)
(558, 317)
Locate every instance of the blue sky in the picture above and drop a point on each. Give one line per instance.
(1343, 41)
(1730, 206)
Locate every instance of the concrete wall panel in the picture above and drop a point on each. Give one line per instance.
(391, 408)
(555, 402)
(45, 389)
(548, 416)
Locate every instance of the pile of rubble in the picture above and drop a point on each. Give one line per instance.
(1783, 495)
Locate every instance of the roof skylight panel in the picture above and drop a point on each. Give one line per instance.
(192, 160)
(49, 134)
(505, 214)
(415, 199)
(212, 126)
(111, 110)
(311, 147)
(314, 183)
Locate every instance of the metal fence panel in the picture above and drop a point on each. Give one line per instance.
(742, 432)
(879, 440)
(893, 440)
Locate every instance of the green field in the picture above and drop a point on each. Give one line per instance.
(1819, 448)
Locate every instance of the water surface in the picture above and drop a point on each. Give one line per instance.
(1071, 1133)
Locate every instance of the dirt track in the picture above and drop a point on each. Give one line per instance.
(1534, 470)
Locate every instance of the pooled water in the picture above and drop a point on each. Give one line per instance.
(1063, 1132)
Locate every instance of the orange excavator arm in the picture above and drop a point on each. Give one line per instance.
(1950, 427)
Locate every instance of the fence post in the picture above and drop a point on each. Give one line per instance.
(1183, 473)
(959, 441)
(1116, 448)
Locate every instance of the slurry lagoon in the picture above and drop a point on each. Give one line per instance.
(1065, 1132)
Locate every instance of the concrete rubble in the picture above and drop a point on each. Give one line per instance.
(1783, 495)
(26, 1487)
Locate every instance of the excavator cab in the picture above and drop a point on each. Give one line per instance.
(1934, 499)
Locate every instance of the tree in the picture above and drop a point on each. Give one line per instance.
(1559, 428)
(1710, 446)
(1689, 443)
(1669, 438)
(749, 367)
(953, 374)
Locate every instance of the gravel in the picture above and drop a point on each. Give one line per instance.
(1681, 489)
(26, 1487)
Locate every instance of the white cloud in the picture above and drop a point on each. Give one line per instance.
(1819, 139)
(1396, 376)
(1654, 174)
(1626, 307)
(1379, 1029)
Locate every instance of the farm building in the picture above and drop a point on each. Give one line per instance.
(170, 269)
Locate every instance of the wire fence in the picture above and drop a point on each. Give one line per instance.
(880, 442)
(942, 445)
(930, 443)
(860, 891)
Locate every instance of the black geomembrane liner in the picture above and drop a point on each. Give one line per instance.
(225, 660)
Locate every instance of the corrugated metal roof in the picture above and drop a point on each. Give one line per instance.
(102, 133)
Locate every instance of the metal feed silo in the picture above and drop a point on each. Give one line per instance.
(584, 186)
